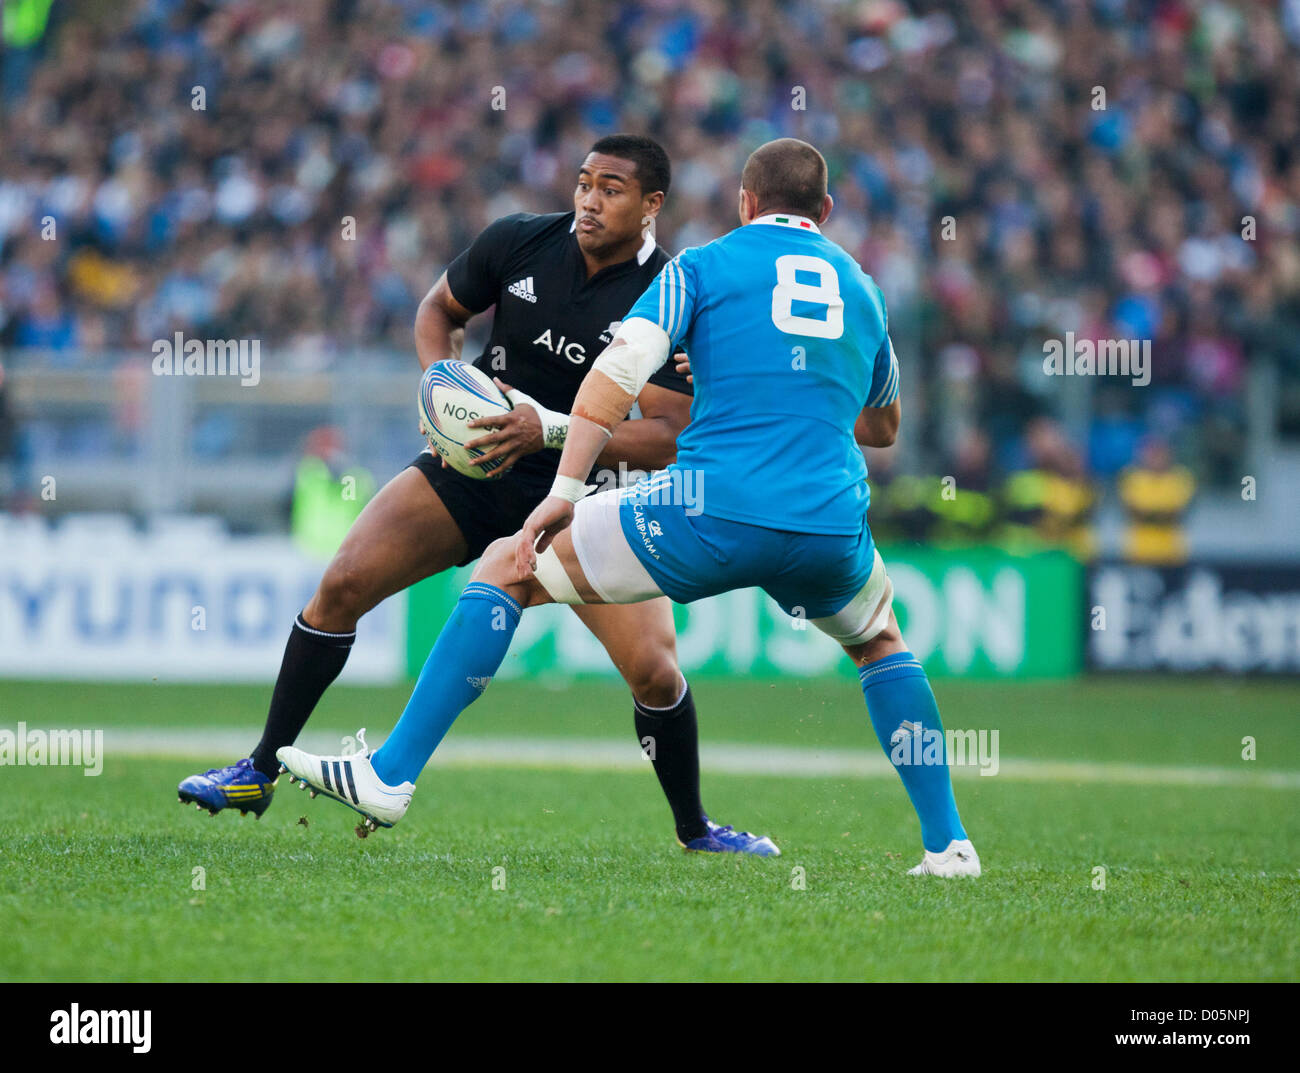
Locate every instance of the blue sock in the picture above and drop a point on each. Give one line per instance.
(897, 693)
(468, 652)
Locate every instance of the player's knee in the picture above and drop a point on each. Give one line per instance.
(655, 681)
(343, 596)
(496, 566)
(888, 642)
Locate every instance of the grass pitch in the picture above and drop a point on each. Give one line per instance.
(538, 870)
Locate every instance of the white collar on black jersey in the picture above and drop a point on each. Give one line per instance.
(786, 219)
(643, 254)
(647, 248)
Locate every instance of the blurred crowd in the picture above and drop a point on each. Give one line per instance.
(1048, 503)
(300, 171)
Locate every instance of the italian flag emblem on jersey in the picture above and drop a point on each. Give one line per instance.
(787, 220)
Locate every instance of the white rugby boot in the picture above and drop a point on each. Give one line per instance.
(350, 780)
(959, 859)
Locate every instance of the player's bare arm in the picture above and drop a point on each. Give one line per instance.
(439, 335)
(877, 426)
(439, 325)
(650, 441)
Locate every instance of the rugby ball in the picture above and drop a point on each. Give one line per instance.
(452, 394)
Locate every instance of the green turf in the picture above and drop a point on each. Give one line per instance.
(1202, 883)
(1150, 720)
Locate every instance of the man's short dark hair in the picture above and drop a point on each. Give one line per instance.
(787, 175)
(652, 169)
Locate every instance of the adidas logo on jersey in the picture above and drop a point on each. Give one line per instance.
(523, 288)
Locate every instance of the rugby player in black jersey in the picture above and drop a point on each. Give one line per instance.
(560, 283)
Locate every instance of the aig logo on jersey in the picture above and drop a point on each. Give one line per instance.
(575, 352)
(523, 288)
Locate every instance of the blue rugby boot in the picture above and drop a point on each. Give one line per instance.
(239, 786)
(719, 839)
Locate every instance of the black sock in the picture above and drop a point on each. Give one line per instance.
(674, 748)
(312, 660)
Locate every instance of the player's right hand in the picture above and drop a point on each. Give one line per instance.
(514, 435)
(684, 365)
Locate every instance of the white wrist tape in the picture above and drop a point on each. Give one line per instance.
(571, 488)
(555, 426)
(644, 349)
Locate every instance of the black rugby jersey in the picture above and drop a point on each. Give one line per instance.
(551, 321)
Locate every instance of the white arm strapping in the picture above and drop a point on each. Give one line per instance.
(645, 349)
(555, 426)
(571, 488)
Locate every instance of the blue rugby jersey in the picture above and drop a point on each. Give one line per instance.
(788, 342)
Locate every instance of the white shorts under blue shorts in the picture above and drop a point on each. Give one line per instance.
(637, 543)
